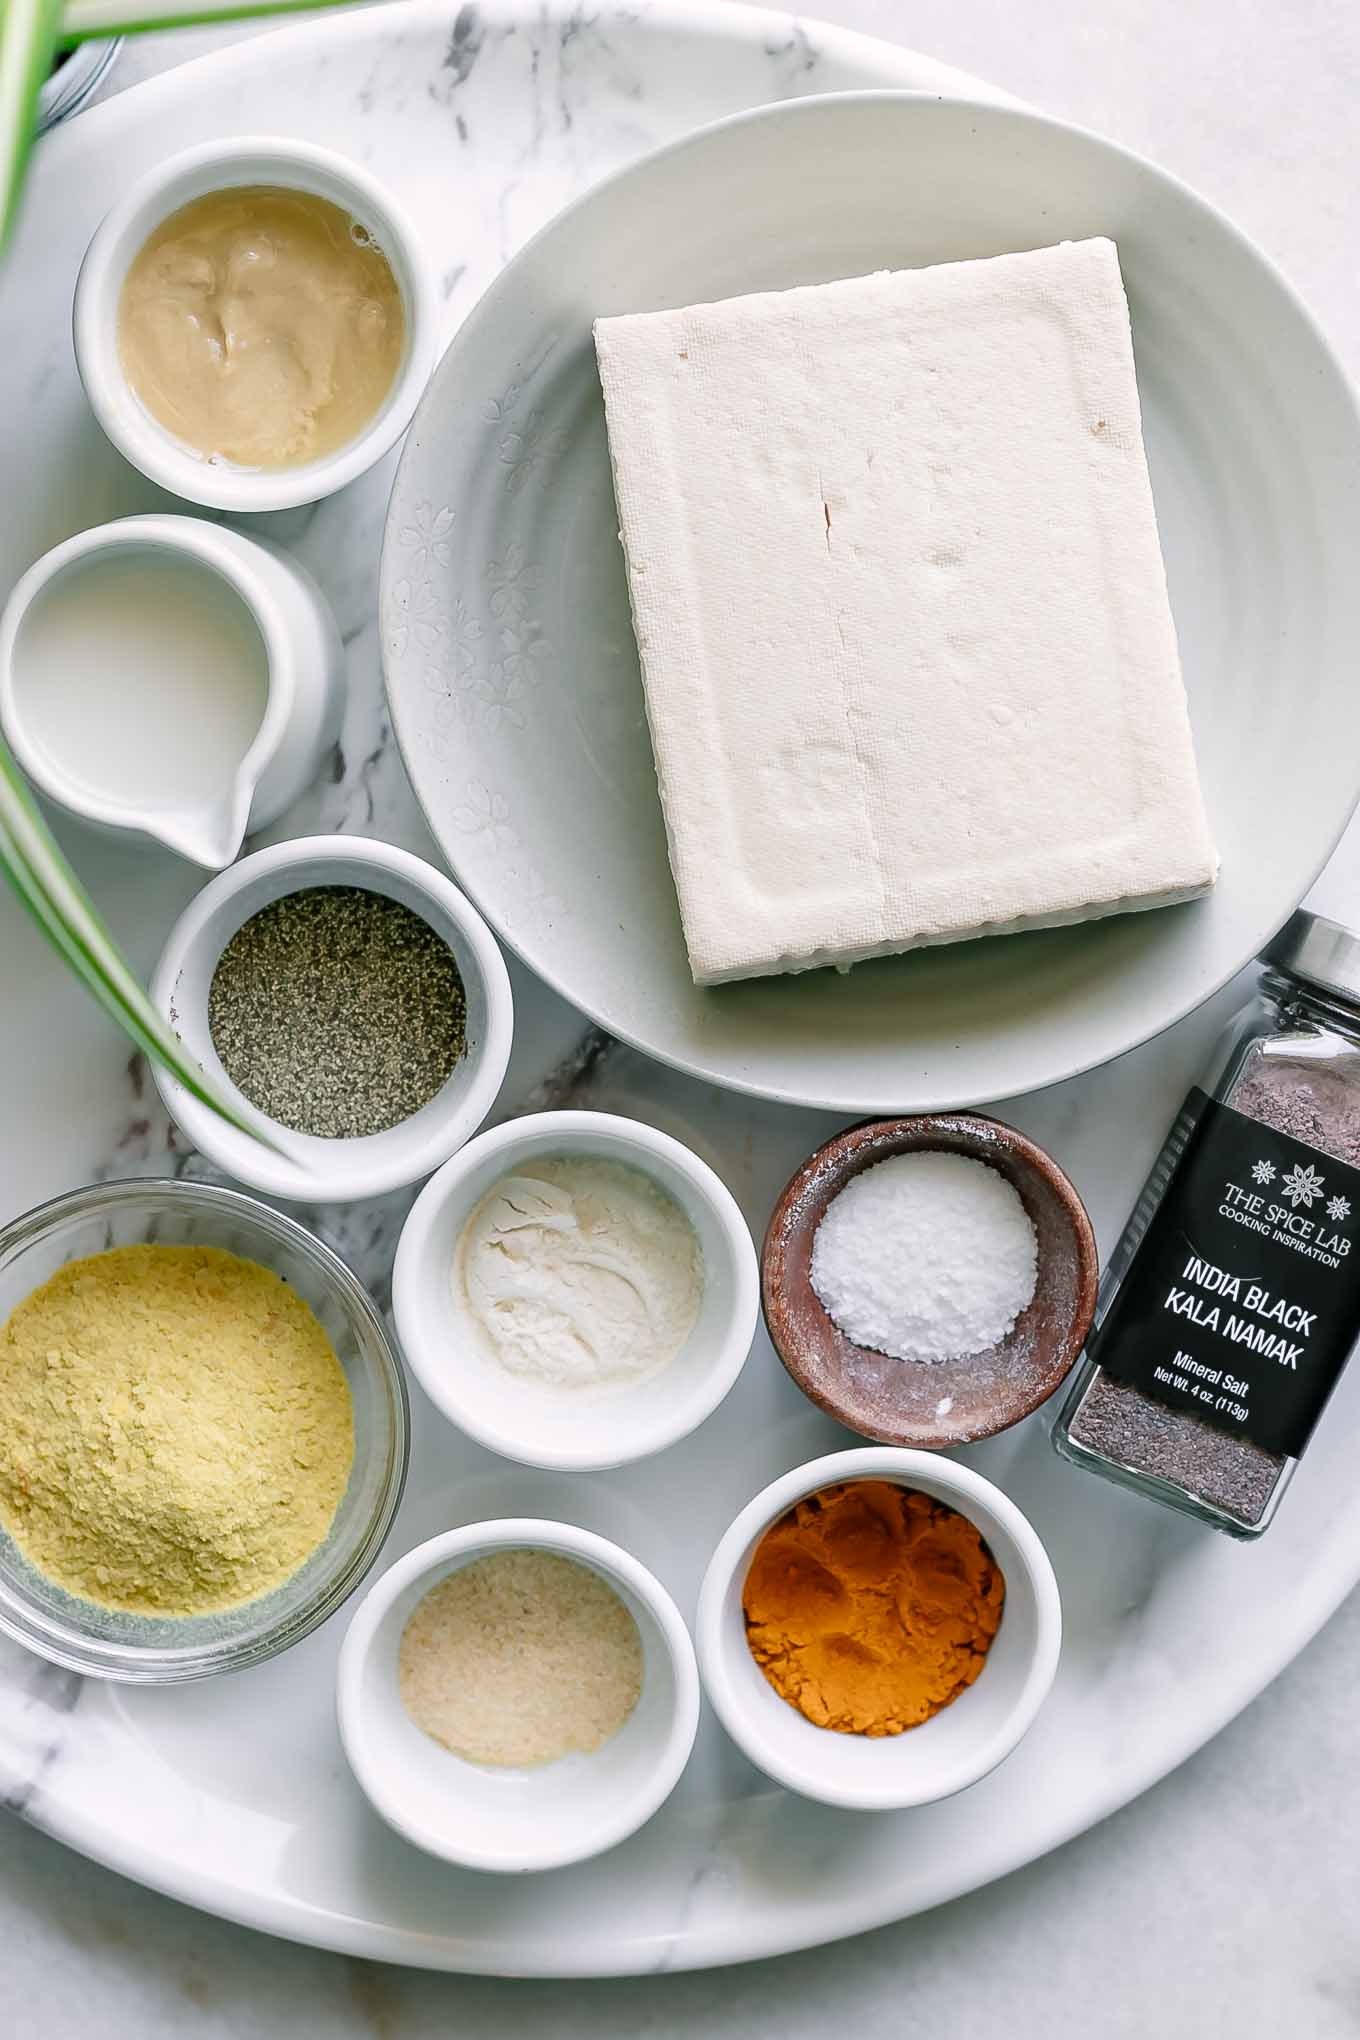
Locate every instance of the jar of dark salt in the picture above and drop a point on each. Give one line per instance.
(1232, 1302)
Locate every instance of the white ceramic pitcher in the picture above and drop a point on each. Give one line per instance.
(303, 703)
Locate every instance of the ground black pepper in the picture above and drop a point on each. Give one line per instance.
(337, 1011)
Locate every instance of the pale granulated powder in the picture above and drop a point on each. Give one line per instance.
(520, 1658)
(926, 1256)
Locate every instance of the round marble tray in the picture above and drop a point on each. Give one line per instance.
(234, 1796)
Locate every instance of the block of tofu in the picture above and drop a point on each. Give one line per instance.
(910, 668)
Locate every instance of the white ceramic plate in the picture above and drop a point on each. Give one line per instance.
(511, 664)
(234, 1795)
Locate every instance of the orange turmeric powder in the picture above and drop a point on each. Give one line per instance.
(869, 1607)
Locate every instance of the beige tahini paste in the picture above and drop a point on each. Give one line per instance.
(261, 326)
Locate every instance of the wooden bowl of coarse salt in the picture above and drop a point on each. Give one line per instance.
(929, 1281)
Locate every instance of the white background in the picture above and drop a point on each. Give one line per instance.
(1225, 1903)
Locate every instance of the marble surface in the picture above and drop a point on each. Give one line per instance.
(1160, 1918)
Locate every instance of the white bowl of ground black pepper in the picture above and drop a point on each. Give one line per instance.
(354, 1002)
(517, 1695)
(576, 1290)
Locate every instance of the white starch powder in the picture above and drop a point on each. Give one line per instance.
(927, 1256)
(580, 1272)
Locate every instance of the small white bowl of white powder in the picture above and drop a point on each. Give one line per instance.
(576, 1290)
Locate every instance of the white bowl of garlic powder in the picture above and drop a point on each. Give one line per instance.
(576, 1290)
(495, 1809)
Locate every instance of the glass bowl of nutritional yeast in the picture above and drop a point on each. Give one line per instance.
(203, 1431)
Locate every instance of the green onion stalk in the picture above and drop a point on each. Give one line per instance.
(31, 34)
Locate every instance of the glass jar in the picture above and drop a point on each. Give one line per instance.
(1232, 1302)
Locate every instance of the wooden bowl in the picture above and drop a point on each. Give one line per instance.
(935, 1403)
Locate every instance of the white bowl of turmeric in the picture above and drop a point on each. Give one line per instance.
(254, 323)
(879, 1628)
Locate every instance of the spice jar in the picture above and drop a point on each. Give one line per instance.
(1232, 1301)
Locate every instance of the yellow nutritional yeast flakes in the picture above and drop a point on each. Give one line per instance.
(176, 1432)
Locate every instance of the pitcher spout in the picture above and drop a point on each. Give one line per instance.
(212, 835)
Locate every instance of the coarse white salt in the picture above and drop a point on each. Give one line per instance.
(926, 1256)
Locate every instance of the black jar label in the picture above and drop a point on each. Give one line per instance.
(1242, 1300)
